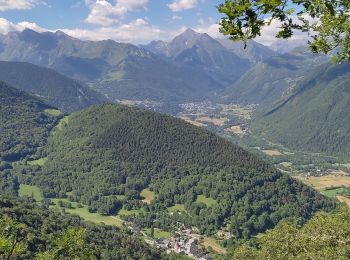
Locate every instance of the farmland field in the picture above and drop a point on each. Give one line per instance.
(328, 181)
(30, 190)
(207, 201)
(147, 195)
(272, 152)
(86, 215)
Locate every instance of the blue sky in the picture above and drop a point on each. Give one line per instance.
(135, 21)
(102, 18)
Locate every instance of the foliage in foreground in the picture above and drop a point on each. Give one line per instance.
(325, 236)
(327, 21)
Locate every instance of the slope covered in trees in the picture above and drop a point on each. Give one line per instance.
(24, 124)
(28, 231)
(111, 150)
(57, 90)
(315, 116)
(325, 236)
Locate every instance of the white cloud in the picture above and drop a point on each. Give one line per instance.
(268, 37)
(138, 32)
(104, 13)
(180, 5)
(6, 5)
(6, 26)
(210, 27)
(132, 5)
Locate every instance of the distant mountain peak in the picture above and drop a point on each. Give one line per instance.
(190, 31)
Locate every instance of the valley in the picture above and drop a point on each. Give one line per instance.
(186, 146)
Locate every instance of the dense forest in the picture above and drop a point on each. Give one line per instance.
(112, 150)
(325, 236)
(28, 231)
(24, 124)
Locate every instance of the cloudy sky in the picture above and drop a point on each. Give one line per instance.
(136, 21)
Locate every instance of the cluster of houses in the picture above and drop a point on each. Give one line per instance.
(184, 245)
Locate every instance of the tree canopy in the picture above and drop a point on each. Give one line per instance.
(326, 21)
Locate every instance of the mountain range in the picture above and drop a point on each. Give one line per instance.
(272, 78)
(124, 71)
(221, 59)
(315, 116)
(55, 89)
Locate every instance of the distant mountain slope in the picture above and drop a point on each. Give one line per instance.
(315, 116)
(116, 69)
(24, 124)
(202, 52)
(271, 79)
(254, 51)
(56, 89)
(110, 150)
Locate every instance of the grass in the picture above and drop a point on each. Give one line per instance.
(158, 233)
(63, 122)
(332, 193)
(147, 195)
(53, 112)
(124, 212)
(207, 201)
(177, 208)
(87, 216)
(39, 162)
(30, 190)
(325, 182)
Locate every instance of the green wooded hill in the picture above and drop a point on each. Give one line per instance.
(118, 70)
(24, 124)
(315, 116)
(28, 231)
(110, 150)
(55, 89)
(272, 78)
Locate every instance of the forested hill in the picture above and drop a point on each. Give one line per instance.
(28, 231)
(25, 123)
(57, 90)
(315, 116)
(105, 155)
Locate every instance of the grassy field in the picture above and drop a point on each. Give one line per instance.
(87, 216)
(30, 190)
(327, 181)
(332, 193)
(207, 201)
(39, 162)
(124, 212)
(53, 112)
(272, 152)
(176, 208)
(158, 233)
(147, 195)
